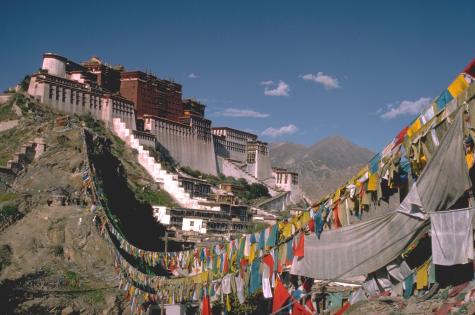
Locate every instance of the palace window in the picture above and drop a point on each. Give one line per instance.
(294, 179)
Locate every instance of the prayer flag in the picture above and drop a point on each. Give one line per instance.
(299, 249)
(281, 295)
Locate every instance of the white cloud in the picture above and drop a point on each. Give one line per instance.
(234, 112)
(406, 108)
(270, 82)
(328, 82)
(277, 132)
(282, 89)
(193, 76)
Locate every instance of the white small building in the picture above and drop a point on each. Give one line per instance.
(194, 224)
(285, 180)
(161, 215)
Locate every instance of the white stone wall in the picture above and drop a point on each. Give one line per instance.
(193, 224)
(184, 145)
(41, 91)
(55, 66)
(4, 98)
(279, 202)
(100, 107)
(263, 166)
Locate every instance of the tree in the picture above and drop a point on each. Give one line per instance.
(25, 83)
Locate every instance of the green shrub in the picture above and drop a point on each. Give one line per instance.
(93, 124)
(57, 250)
(71, 278)
(159, 198)
(7, 197)
(5, 256)
(6, 112)
(8, 214)
(163, 157)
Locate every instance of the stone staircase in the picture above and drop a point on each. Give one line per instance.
(167, 180)
(25, 155)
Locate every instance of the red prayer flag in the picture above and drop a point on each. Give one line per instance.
(306, 283)
(342, 310)
(400, 136)
(309, 304)
(205, 308)
(336, 217)
(311, 225)
(269, 261)
(299, 249)
(470, 69)
(299, 309)
(281, 295)
(226, 264)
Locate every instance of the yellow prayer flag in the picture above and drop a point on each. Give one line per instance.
(422, 276)
(469, 159)
(336, 196)
(285, 229)
(304, 219)
(416, 125)
(458, 86)
(372, 183)
(252, 253)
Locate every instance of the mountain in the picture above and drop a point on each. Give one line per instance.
(323, 166)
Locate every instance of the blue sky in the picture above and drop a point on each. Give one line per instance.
(294, 71)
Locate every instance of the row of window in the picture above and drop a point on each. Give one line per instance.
(283, 178)
(232, 146)
(173, 127)
(232, 135)
(78, 97)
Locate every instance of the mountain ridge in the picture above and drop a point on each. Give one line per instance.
(322, 166)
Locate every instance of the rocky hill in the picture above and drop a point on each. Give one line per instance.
(53, 259)
(322, 166)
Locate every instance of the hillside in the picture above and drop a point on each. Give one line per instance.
(52, 258)
(322, 166)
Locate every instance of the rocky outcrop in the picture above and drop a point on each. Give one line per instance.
(9, 124)
(25, 155)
